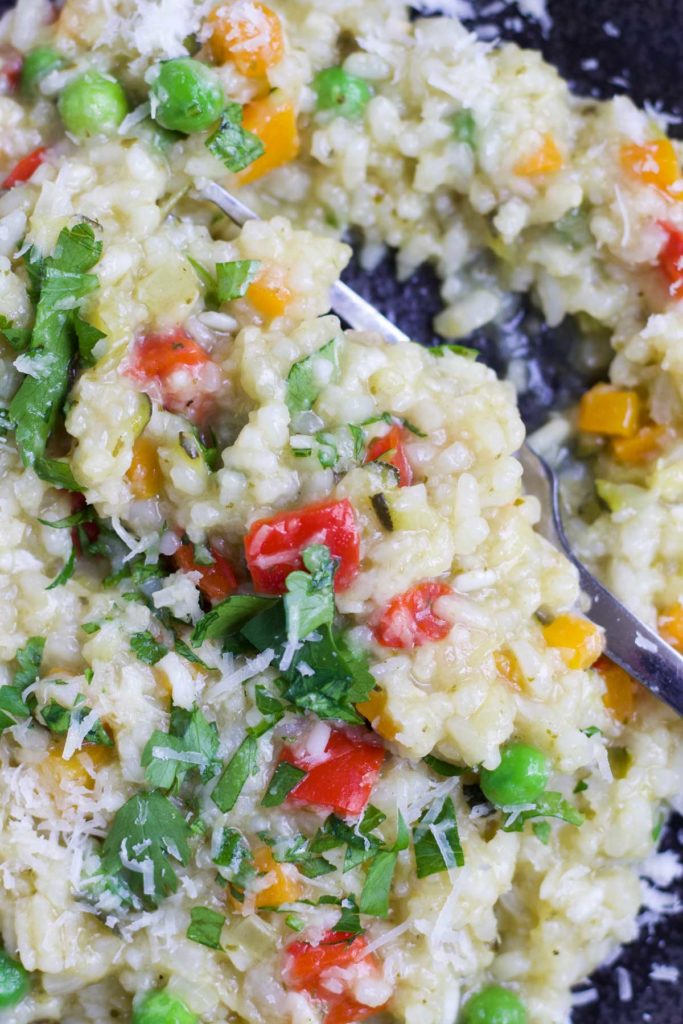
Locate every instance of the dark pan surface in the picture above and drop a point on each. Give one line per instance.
(602, 47)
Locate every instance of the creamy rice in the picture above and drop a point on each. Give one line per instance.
(511, 658)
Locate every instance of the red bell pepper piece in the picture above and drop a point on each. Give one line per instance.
(91, 530)
(26, 167)
(342, 778)
(390, 449)
(671, 258)
(409, 620)
(11, 62)
(273, 546)
(306, 966)
(217, 581)
(174, 370)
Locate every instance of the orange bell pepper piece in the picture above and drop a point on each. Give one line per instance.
(375, 710)
(248, 34)
(547, 159)
(144, 472)
(643, 446)
(670, 625)
(273, 119)
(579, 640)
(283, 889)
(654, 163)
(620, 689)
(608, 410)
(269, 295)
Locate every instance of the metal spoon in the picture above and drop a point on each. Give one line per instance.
(629, 642)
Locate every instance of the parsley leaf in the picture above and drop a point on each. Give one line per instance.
(548, 805)
(444, 768)
(146, 648)
(436, 839)
(17, 337)
(148, 831)
(66, 572)
(29, 659)
(541, 830)
(62, 282)
(13, 707)
(58, 719)
(231, 143)
(234, 858)
(309, 601)
(229, 616)
(285, 777)
(459, 350)
(87, 335)
(303, 383)
(206, 926)
(301, 853)
(190, 744)
(233, 778)
(374, 898)
(233, 278)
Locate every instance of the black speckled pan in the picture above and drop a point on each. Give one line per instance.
(603, 47)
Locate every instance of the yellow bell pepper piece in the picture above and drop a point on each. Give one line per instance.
(547, 159)
(269, 296)
(608, 410)
(643, 446)
(273, 119)
(79, 769)
(654, 163)
(375, 710)
(284, 889)
(620, 689)
(144, 472)
(508, 667)
(578, 639)
(670, 625)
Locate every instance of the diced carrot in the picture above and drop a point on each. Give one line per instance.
(654, 163)
(249, 34)
(273, 119)
(547, 159)
(643, 446)
(269, 295)
(284, 888)
(620, 689)
(508, 667)
(609, 410)
(144, 472)
(670, 625)
(578, 639)
(375, 710)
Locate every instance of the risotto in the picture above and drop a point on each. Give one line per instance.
(302, 721)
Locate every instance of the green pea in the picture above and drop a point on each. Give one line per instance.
(520, 778)
(336, 90)
(160, 1007)
(187, 96)
(92, 104)
(14, 980)
(493, 1005)
(37, 64)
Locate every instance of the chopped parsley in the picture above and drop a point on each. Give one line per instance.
(458, 350)
(147, 834)
(66, 572)
(60, 283)
(309, 601)
(464, 127)
(206, 926)
(58, 719)
(146, 648)
(231, 143)
(374, 898)
(234, 859)
(444, 768)
(191, 744)
(234, 776)
(305, 382)
(436, 839)
(285, 778)
(548, 805)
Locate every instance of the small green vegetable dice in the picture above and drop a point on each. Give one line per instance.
(38, 63)
(186, 96)
(14, 980)
(160, 1007)
(493, 1005)
(344, 94)
(520, 778)
(92, 104)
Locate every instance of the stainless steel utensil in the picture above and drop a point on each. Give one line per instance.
(629, 642)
